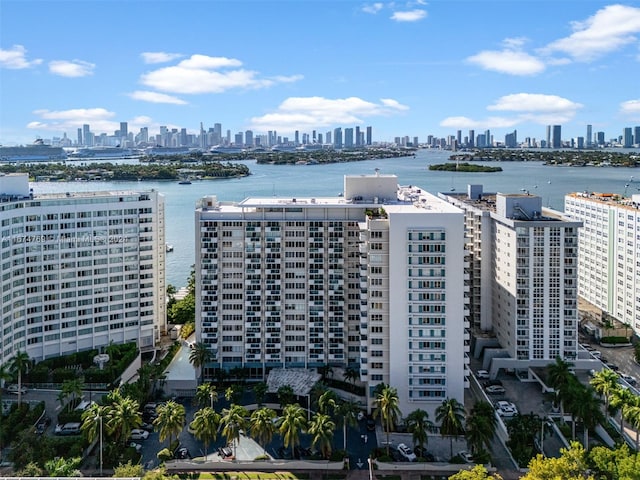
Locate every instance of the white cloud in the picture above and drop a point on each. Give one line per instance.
(204, 74)
(489, 122)
(372, 8)
(534, 102)
(70, 120)
(156, 97)
(73, 68)
(310, 112)
(409, 15)
(631, 108)
(609, 29)
(509, 60)
(159, 57)
(14, 58)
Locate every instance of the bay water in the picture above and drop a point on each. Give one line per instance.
(549, 182)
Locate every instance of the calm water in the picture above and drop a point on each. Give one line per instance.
(551, 183)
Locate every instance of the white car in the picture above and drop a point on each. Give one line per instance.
(14, 389)
(466, 456)
(482, 375)
(506, 409)
(494, 389)
(139, 434)
(407, 453)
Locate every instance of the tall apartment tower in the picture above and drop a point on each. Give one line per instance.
(608, 271)
(523, 265)
(589, 142)
(372, 280)
(348, 138)
(627, 137)
(472, 139)
(337, 137)
(358, 138)
(79, 270)
(556, 140)
(636, 136)
(369, 136)
(549, 144)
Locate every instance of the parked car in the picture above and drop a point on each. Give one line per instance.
(72, 428)
(406, 452)
(147, 426)
(494, 389)
(182, 453)
(466, 456)
(14, 389)
(42, 425)
(491, 382)
(628, 378)
(482, 375)
(506, 409)
(225, 452)
(139, 434)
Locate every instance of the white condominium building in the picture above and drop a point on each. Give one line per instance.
(372, 280)
(79, 270)
(609, 262)
(524, 265)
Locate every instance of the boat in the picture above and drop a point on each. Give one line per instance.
(186, 181)
(36, 152)
(103, 152)
(168, 247)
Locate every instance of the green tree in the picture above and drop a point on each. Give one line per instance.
(418, 425)
(560, 378)
(605, 382)
(619, 463)
(292, 423)
(322, 428)
(170, 421)
(571, 465)
(450, 415)
(123, 415)
(128, 470)
(260, 390)
(205, 426)
(480, 427)
(262, 426)
(522, 431)
(207, 394)
(479, 472)
(351, 375)
(63, 467)
(386, 407)
(347, 416)
(328, 402)
(285, 395)
(72, 388)
(5, 376)
(93, 419)
(586, 407)
(623, 400)
(19, 364)
(233, 421)
(199, 356)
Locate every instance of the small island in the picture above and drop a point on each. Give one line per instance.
(464, 167)
(559, 158)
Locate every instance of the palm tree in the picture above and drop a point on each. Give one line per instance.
(586, 407)
(92, 424)
(560, 377)
(623, 399)
(347, 413)
(199, 356)
(170, 421)
(322, 428)
(293, 422)
(386, 406)
(260, 390)
(480, 426)
(262, 426)
(72, 388)
(327, 402)
(122, 416)
(605, 382)
(634, 418)
(207, 393)
(205, 426)
(19, 364)
(233, 421)
(418, 424)
(351, 375)
(450, 414)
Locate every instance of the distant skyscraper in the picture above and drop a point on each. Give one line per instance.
(369, 139)
(636, 136)
(556, 141)
(548, 136)
(357, 136)
(459, 137)
(600, 137)
(296, 137)
(580, 142)
(589, 135)
(124, 130)
(248, 138)
(238, 141)
(217, 133)
(328, 141)
(472, 138)
(627, 137)
(319, 140)
(87, 138)
(348, 137)
(511, 139)
(79, 136)
(337, 137)
(487, 138)
(415, 141)
(144, 134)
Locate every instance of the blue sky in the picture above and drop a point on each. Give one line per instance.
(405, 68)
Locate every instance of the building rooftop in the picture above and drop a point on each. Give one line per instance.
(632, 203)
(301, 381)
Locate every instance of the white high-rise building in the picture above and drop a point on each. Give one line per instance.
(79, 270)
(524, 269)
(609, 275)
(372, 280)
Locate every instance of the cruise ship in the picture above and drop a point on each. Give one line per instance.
(36, 152)
(103, 152)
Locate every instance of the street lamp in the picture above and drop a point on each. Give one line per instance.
(370, 468)
(100, 441)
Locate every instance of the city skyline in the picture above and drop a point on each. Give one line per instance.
(403, 68)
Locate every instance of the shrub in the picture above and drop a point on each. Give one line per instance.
(614, 340)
